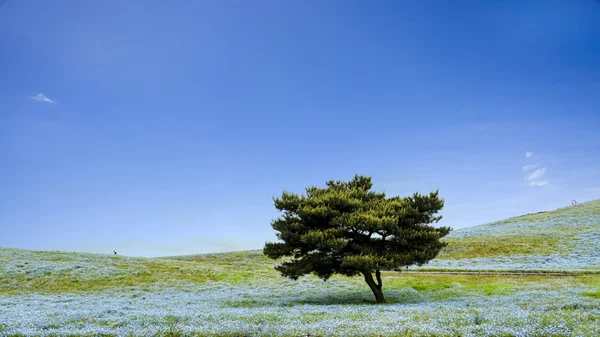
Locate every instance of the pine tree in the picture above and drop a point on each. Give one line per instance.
(346, 228)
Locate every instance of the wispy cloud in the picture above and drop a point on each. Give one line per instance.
(537, 173)
(533, 172)
(530, 166)
(42, 98)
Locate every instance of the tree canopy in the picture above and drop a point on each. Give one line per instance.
(346, 228)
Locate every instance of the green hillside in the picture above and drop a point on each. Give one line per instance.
(565, 239)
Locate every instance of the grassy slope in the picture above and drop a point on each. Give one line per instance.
(567, 239)
(25, 271)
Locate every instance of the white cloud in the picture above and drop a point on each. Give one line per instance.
(537, 173)
(42, 98)
(530, 166)
(533, 173)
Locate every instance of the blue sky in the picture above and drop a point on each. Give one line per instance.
(165, 128)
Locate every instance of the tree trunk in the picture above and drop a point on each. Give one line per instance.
(375, 287)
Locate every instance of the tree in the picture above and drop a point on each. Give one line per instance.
(348, 229)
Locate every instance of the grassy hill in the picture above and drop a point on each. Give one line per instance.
(231, 294)
(567, 239)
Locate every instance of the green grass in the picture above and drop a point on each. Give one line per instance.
(237, 268)
(231, 268)
(584, 209)
(490, 246)
(592, 294)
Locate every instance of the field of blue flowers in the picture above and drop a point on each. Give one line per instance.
(457, 306)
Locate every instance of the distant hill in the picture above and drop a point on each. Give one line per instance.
(565, 239)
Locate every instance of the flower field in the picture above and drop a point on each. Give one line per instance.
(233, 294)
(540, 308)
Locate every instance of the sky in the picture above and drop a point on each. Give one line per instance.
(166, 128)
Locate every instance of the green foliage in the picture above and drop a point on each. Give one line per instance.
(346, 228)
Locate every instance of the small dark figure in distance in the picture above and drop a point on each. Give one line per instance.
(114, 251)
